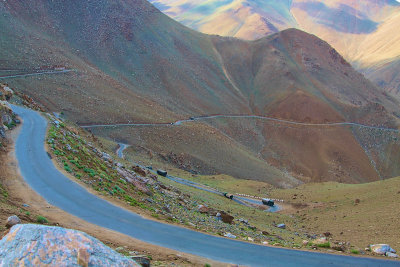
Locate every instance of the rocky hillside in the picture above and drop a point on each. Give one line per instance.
(8, 119)
(131, 63)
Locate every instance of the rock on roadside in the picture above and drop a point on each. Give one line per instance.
(381, 249)
(35, 245)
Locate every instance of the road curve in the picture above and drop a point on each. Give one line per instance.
(120, 150)
(40, 173)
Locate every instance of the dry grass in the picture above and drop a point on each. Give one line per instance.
(362, 214)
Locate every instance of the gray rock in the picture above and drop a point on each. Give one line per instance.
(391, 255)
(2, 131)
(12, 220)
(34, 245)
(229, 235)
(282, 226)
(7, 119)
(381, 249)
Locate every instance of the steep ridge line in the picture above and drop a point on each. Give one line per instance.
(40, 173)
(193, 119)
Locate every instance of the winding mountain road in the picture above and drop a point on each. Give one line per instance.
(120, 150)
(40, 173)
(194, 119)
(34, 74)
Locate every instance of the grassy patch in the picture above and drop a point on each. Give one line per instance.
(40, 219)
(3, 192)
(354, 251)
(324, 245)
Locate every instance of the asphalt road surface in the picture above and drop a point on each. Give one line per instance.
(40, 173)
(120, 150)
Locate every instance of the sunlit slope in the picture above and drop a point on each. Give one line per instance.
(239, 18)
(364, 32)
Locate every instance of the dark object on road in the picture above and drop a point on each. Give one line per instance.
(162, 173)
(268, 202)
(149, 167)
(227, 195)
(192, 118)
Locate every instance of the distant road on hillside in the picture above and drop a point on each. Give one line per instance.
(37, 73)
(120, 150)
(200, 118)
(40, 173)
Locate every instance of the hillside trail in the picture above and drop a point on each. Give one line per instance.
(194, 119)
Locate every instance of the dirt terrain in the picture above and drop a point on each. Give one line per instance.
(124, 74)
(363, 214)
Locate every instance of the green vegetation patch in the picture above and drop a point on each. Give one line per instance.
(324, 245)
(40, 219)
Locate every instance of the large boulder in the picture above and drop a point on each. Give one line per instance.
(38, 245)
(226, 218)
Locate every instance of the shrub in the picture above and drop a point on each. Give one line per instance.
(67, 168)
(354, 251)
(207, 265)
(41, 219)
(324, 245)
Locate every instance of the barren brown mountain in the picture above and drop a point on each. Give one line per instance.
(131, 63)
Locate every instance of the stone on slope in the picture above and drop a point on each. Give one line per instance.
(12, 220)
(37, 245)
(226, 218)
(203, 209)
(282, 226)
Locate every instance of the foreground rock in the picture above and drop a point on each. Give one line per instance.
(37, 245)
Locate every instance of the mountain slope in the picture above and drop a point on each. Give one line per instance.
(134, 64)
(363, 31)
